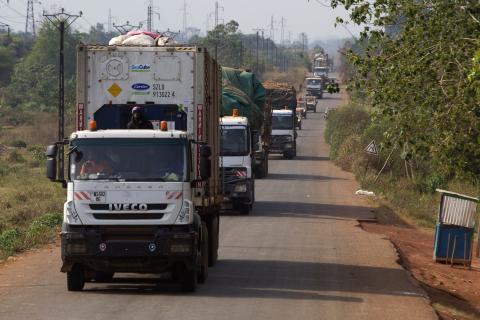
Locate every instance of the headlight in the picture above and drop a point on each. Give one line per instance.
(185, 216)
(70, 215)
(240, 188)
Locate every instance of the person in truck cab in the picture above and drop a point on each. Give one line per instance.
(138, 121)
(98, 166)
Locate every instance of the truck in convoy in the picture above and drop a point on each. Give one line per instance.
(142, 201)
(320, 64)
(245, 137)
(315, 86)
(282, 97)
(284, 133)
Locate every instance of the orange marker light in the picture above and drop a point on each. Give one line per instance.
(92, 125)
(163, 126)
(235, 112)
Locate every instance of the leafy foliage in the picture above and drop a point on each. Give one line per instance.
(414, 68)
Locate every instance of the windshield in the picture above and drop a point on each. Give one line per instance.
(234, 141)
(313, 81)
(282, 122)
(129, 159)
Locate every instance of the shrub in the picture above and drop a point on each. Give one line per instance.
(43, 229)
(18, 143)
(10, 240)
(15, 157)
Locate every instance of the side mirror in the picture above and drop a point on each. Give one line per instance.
(205, 162)
(52, 162)
(205, 168)
(52, 151)
(205, 151)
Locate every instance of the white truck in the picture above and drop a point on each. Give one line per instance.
(236, 161)
(284, 135)
(142, 201)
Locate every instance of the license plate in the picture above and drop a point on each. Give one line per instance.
(98, 196)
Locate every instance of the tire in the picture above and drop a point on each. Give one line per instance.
(103, 276)
(76, 278)
(213, 224)
(188, 280)
(202, 273)
(288, 155)
(245, 208)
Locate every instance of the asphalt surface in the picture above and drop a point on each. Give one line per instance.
(299, 255)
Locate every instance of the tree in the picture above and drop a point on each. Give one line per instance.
(416, 79)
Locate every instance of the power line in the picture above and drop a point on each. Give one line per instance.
(13, 9)
(127, 27)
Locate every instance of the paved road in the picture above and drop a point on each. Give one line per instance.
(300, 255)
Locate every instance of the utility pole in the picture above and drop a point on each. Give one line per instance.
(4, 25)
(30, 19)
(61, 20)
(272, 29)
(125, 28)
(217, 7)
(109, 27)
(282, 32)
(149, 16)
(184, 25)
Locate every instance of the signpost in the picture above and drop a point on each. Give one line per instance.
(372, 150)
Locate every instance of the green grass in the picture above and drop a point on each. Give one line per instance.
(30, 206)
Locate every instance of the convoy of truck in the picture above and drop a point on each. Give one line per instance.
(149, 201)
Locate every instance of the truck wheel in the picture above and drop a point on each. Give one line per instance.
(245, 209)
(103, 276)
(288, 155)
(203, 268)
(213, 228)
(76, 278)
(188, 280)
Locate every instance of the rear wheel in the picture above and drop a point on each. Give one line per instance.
(213, 228)
(76, 278)
(245, 208)
(203, 268)
(188, 279)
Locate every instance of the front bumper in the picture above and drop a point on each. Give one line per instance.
(281, 147)
(139, 249)
(232, 194)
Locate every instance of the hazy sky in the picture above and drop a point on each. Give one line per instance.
(300, 15)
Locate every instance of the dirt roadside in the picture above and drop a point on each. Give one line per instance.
(454, 291)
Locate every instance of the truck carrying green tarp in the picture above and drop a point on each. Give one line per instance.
(243, 91)
(281, 94)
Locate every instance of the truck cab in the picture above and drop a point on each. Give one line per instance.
(284, 134)
(315, 87)
(237, 162)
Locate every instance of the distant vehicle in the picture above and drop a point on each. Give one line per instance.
(298, 119)
(315, 87)
(311, 103)
(302, 107)
(320, 71)
(283, 133)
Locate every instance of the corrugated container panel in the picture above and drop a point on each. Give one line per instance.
(457, 211)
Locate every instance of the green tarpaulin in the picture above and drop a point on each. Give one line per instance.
(243, 91)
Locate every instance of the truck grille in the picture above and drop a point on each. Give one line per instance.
(127, 216)
(280, 139)
(233, 174)
(150, 206)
